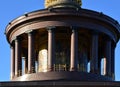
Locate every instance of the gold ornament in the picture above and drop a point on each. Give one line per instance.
(62, 3)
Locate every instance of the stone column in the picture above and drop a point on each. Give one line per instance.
(94, 53)
(31, 52)
(18, 59)
(51, 48)
(12, 62)
(108, 56)
(74, 50)
(113, 62)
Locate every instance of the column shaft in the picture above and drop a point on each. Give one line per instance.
(31, 53)
(108, 57)
(51, 49)
(94, 54)
(12, 62)
(18, 60)
(113, 62)
(74, 50)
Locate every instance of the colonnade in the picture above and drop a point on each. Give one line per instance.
(16, 60)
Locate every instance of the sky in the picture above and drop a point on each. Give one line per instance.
(11, 9)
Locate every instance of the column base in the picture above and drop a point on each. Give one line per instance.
(73, 69)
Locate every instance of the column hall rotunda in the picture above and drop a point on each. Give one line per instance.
(63, 42)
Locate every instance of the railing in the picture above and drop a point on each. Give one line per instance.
(60, 67)
(64, 67)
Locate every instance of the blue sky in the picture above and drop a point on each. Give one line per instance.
(10, 9)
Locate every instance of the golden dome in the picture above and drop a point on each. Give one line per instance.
(62, 3)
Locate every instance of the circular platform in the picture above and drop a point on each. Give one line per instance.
(64, 75)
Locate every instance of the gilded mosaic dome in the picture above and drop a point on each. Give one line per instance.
(62, 3)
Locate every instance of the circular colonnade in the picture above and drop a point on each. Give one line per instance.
(53, 44)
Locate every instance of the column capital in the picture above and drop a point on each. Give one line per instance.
(17, 38)
(50, 27)
(73, 27)
(108, 39)
(95, 32)
(29, 31)
(11, 46)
